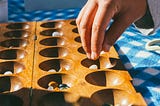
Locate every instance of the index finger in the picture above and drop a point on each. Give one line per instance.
(102, 18)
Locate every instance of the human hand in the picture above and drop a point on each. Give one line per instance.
(95, 16)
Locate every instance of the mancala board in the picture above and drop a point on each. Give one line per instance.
(49, 68)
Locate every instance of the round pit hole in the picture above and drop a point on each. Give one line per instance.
(18, 26)
(51, 32)
(12, 54)
(59, 99)
(11, 66)
(112, 97)
(73, 23)
(104, 78)
(75, 30)
(17, 34)
(52, 25)
(10, 84)
(56, 64)
(78, 39)
(54, 52)
(61, 81)
(14, 43)
(81, 50)
(53, 41)
(101, 63)
(10, 100)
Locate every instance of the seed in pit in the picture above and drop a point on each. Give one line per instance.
(93, 66)
(56, 34)
(50, 88)
(11, 47)
(52, 70)
(63, 86)
(8, 73)
(53, 84)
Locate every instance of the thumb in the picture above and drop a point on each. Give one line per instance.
(115, 30)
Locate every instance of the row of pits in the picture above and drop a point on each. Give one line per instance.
(105, 97)
(20, 29)
(102, 97)
(17, 43)
(26, 34)
(55, 64)
(20, 42)
(100, 78)
(58, 24)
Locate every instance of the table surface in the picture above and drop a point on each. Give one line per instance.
(143, 65)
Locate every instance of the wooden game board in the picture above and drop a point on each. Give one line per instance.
(44, 64)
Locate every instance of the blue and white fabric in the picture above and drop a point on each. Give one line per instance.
(143, 65)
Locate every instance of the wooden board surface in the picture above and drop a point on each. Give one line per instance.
(56, 70)
(16, 63)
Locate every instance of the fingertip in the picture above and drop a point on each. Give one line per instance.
(88, 55)
(94, 56)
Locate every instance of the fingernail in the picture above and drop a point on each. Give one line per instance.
(88, 55)
(94, 55)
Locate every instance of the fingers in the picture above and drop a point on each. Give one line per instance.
(78, 20)
(95, 17)
(102, 18)
(84, 23)
(92, 22)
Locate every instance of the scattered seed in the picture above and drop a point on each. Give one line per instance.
(93, 66)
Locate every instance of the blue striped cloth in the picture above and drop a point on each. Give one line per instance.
(143, 65)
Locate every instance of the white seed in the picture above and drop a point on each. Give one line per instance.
(11, 47)
(52, 70)
(93, 66)
(50, 88)
(56, 34)
(8, 73)
(102, 52)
